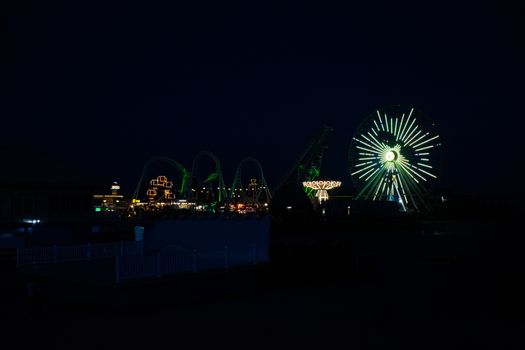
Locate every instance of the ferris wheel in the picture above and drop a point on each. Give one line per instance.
(394, 156)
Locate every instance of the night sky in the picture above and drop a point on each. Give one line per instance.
(107, 85)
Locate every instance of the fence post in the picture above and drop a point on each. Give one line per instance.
(226, 256)
(158, 264)
(194, 261)
(55, 257)
(121, 248)
(117, 270)
(254, 253)
(89, 251)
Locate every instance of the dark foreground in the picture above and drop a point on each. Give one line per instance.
(461, 291)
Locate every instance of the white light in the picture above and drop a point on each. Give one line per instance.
(430, 139)
(390, 156)
(420, 149)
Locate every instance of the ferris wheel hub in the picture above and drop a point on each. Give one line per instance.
(391, 156)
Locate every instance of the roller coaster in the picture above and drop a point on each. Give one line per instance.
(201, 190)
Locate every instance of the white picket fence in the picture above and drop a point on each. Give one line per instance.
(136, 267)
(60, 254)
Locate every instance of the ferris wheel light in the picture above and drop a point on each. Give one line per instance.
(423, 148)
(392, 157)
(368, 172)
(430, 139)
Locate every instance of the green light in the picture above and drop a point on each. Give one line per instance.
(97, 209)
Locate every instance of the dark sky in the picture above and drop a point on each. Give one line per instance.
(106, 85)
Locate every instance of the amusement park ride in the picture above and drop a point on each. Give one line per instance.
(393, 157)
(202, 192)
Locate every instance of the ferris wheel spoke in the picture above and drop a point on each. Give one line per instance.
(395, 128)
(378, 188)
(402, 131)
(400, 126)
(377, 126)
(377, 149)
(362, 169)
(424, 171)
(409, 136)
(382, 189)
(418, 139)
(422, 140)
(415, 169)
(422, 143)
(370, 184)
(362, 164)
(401, 199)
(375, 171)
(409, 141)
(382, 145)
(380, 121)
(365, 149)
(410, 172)
(425, 165)
(405, 128)
(366, 173)
(423, 148)
(409, 179)
(386, 123)
(365, 192)
(408, 130)
(374, 142)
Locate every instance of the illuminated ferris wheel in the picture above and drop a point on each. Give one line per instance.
(394, 157)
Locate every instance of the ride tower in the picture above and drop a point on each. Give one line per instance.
(307, 168)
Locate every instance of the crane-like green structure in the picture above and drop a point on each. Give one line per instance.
(308, 165)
